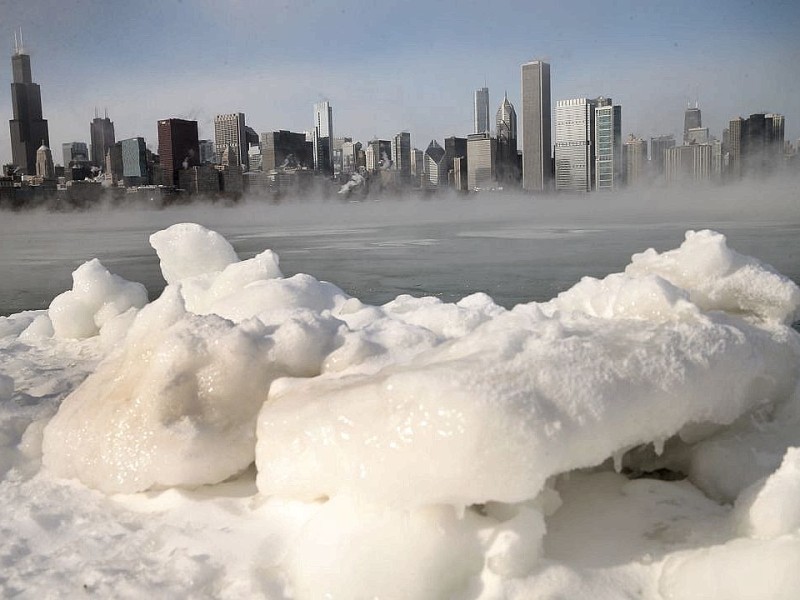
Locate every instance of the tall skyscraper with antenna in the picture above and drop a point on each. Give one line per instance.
(101, 131)
(28, 127)
(692, 119)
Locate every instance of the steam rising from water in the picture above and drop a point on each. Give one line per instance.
(514, 247)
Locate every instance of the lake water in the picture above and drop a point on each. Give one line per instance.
(514, 249)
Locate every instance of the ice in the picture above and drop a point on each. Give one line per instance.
(257, 435)
(96, 298)
(187, 250)
(350, 550)
(177, 404)
(771, 507)
(506, 406)
(718, 278)
(742, 569)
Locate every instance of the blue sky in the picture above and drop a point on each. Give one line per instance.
(387, 67)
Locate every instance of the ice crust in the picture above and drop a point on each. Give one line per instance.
(423, 449)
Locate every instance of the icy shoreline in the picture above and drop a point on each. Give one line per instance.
(252, 434)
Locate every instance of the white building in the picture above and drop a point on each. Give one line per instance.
(574, 148)
(481, 161)
(229, 133)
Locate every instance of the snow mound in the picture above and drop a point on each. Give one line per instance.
(96, 298)
(542, 389)
(742, 569)
(177, 405)
(771, 508)
(187, 249)
(718, 278)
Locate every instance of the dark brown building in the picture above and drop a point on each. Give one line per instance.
(178, 148)
(28, 128)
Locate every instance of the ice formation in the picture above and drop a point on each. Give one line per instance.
(418, 449)
(96, 298)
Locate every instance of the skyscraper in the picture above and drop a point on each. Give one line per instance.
(74, 151)
(760, 138)
(658, 150)
(481, 161)
(507, 160)
(101, 133)
(608, 145)
(28, 128)
(134, 161)
(322, 137)
(401, 154)
(284, 148)
(634, 154)
(435, 166)
(536, 123)
(178, 147)
(575, 151)
(692, 119)
(481, 110)
(229, 132)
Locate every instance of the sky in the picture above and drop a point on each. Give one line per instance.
(386, 67)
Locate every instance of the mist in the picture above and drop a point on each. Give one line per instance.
(515, 247)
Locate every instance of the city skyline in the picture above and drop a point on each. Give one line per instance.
(732, 58)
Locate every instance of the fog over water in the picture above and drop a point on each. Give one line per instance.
(515, 248)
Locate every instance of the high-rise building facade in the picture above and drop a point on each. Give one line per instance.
(536, 124)
(229, 132)
(401, 154)
(508, 171)
(350, 151)
(481, 106)
(453, 147)
(608, 145)
(178, 147)
(634, 155)
(688, 164)
(44, 164)
(101, 136)
(322, 137)
(692, 119)
(74, 151)
(755, 145)
(658, 149)
(481, 161)
(208, 152)
(28, 127)
(134, 161)
(417, 166)
(435, 166)
(575, 150)
(285, 149)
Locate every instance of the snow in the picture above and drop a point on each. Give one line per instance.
(249, 434)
